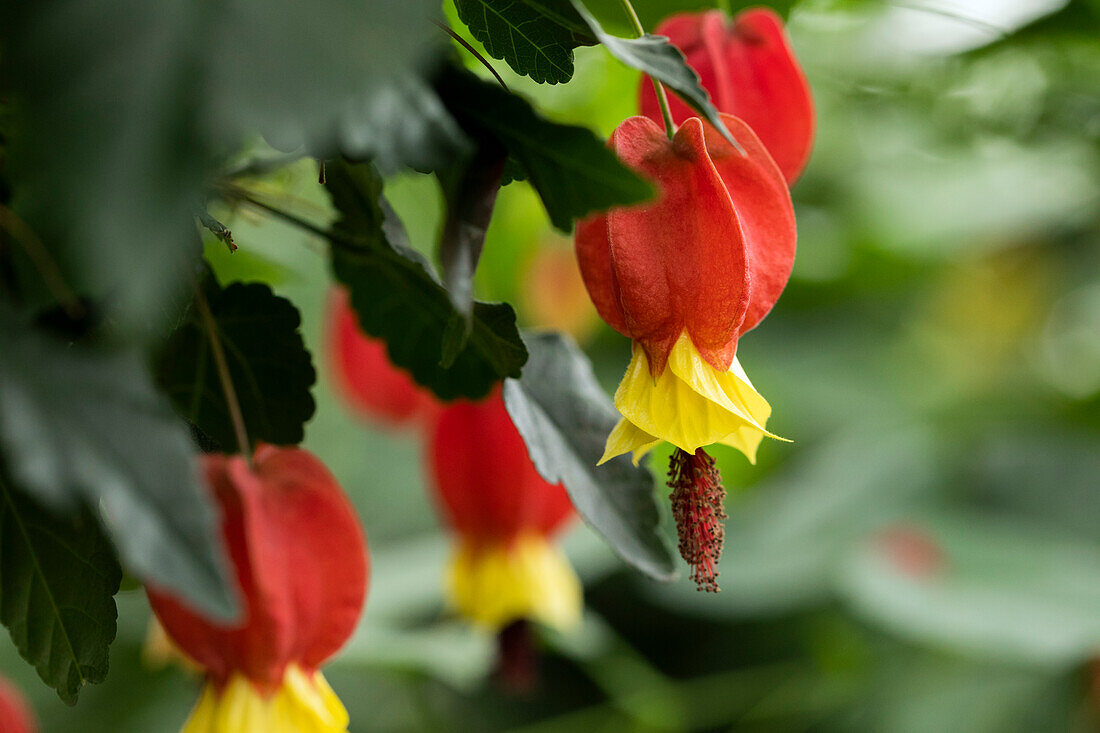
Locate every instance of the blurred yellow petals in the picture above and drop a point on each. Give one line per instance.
(304, 703)
(690, 405)
(529, 578)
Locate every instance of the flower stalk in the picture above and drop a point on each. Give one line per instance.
(662, 97)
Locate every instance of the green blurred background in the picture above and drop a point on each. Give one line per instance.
(924, 557)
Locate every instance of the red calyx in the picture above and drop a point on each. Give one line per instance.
(710, 256)
(300, 561)
(366, 377)
(750, 71)
(15, 713)
(486, 484)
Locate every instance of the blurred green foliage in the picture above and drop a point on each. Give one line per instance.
(923, 558)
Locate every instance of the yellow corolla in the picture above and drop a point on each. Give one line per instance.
(691, 405)
(304, 703)
(494, 584)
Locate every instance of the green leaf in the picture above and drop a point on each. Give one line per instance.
(268, 362)
(657, 57)
(398, 299)
(124, 121)
(402, 123)
(565, 418)
(513, 171)
(80, 426)
(58, 578)
(535, 37)
(571, 169)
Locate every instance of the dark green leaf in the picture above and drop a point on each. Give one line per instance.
(572, 170)
(657, 57)
(79, 426)
(565, 417)
(124, 119)
(471, 194)
(268, 362)
(58, 578)
(513, 171)
(398, 299)
(535, 37)
(402, 123)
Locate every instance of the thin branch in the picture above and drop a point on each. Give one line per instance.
(471, 49)
(42, 260)
(236, 193)
(235, 415)
(262, 166)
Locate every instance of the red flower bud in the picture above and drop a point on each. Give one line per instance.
(15, 713)
(301, 566)
(709, 257)
(487, 486)
(505, 514)
(364, 374)
(750, 71)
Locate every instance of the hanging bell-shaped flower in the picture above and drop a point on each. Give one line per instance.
(684, 277)
(365, 376)
(506, 567)
(301, 567)
(750, 71)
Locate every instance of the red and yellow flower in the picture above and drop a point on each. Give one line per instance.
(684, 277)
(506, 567)
(750, 71)
(301, 567)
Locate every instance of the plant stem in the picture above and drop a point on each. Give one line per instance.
(42, 260)
(633, 17)
(725, 7)
(236, 193)
(224, 377)
(662, 98)
(462, 42)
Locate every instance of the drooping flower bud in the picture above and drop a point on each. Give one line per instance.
(15, 713)
(684, 277)
(301, 566)
(364, 374)
(750, 71)
(505, 568)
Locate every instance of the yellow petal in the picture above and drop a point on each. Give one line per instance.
(690, 405)
(304, 703)
(628, 437)
(494, 585)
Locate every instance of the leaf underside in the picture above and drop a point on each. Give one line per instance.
(85, 427)
(564, 417)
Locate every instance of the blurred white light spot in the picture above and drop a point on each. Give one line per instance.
(936, 27)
